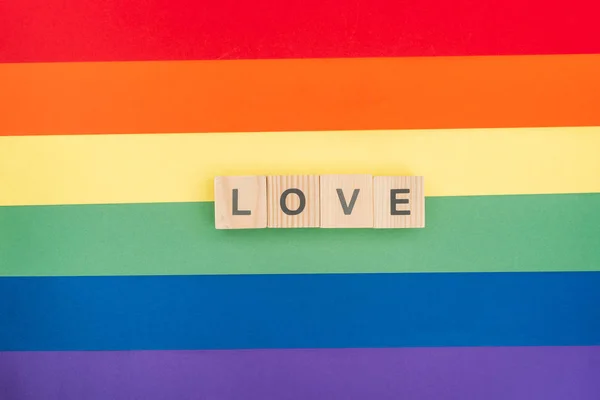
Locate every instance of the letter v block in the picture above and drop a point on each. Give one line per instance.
(399, 201)
(346, 201)
(240, 202)
(293, 201)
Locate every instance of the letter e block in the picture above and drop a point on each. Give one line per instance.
(399, 201)
(293, 201)
(240, 202)
(346, 201)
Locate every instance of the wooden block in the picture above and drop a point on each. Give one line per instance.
(293, 201)
(346, 201)
(399, 201)
(240, 202)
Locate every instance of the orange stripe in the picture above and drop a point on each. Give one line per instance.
(313, 94)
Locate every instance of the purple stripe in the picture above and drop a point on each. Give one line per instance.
(490, 373)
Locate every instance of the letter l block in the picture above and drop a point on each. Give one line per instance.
(240, 202)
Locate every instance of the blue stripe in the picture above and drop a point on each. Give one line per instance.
(299, 311)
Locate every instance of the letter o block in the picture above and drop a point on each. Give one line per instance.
(293, 201)
(399, 201)
(240, 202)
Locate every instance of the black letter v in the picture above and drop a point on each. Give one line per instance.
(347, 208)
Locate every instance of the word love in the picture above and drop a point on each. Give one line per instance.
(325, 201)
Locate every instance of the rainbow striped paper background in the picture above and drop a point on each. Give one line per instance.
(115, 116)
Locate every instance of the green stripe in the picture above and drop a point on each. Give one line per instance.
(463, 234)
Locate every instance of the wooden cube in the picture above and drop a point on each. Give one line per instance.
(399, 201)
(346, 201)
(240, 202)
(293, 201)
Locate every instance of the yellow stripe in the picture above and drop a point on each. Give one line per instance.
(181, 167)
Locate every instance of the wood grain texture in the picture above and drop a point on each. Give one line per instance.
(308, 217)
(413, 212)
(353, 208)
(249, 193)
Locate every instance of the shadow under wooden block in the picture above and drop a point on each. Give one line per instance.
(399, 201)
(240, 202)
(346, 201)
(293, 201)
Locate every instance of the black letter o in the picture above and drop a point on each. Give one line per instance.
(300, 196)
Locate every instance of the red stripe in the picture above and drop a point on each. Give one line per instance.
(105, 30)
